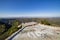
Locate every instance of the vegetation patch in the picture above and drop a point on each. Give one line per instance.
(10, 31)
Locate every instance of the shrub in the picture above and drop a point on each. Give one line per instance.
(45, 22)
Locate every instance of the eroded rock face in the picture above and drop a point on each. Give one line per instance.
(38, 32)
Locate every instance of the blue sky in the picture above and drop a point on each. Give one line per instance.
(29, 8)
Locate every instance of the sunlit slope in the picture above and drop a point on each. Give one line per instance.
(38, 32)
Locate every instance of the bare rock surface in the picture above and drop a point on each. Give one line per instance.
(39, 32)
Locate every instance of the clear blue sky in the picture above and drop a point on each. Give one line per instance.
(29, 8)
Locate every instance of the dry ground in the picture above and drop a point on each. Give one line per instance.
(39, 32)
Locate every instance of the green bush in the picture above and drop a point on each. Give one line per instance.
(45, 22)
(2, 28)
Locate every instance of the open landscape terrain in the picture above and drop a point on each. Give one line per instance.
(38, 32)
(33, 28)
